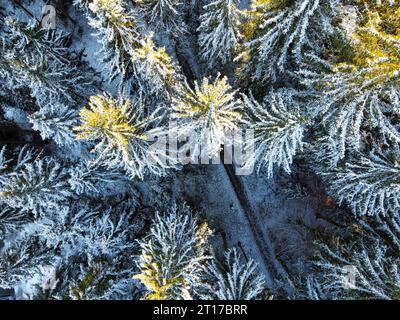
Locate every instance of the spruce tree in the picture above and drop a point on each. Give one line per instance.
(172, 254)
(21, 260)
(374, 270)
(279, 127)
(206, 114)
(231, 279)
(92, 178)
(34, 185)
(162, 14)
(55, 122)
(117, 31)
(76, 252)
(369, 184)
(360, 95)
(219, 32)
(278, 34)
(39, 60)
(122, 135)
(155, 71)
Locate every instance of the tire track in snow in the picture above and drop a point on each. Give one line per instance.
(260, 235)
(262, 241)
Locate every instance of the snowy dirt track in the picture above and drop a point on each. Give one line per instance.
(245, 212)
(105, 116)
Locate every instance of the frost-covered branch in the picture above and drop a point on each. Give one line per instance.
(172, 254)
(231, 279)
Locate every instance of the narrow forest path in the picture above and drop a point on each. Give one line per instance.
(261, 240)
(260, 234)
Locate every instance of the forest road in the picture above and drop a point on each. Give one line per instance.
(261, 239)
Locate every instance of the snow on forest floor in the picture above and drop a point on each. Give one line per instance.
(285, 220)
(208, 189)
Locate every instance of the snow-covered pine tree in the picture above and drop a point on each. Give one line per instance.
(162, 14)
(39, 60)
(100, 280)
(385, 227)
(219, 33)
(362, 268)
(279, 126)
(205, 114)
(30, 184)
(155, 71)
(277, 33)
(101, 249)
(231, 279)
(55, 121)
(122, 135)
(12, 219)
(359, 94)
(370, 185)
(172, 254)
(88, 252)
(92, 178)
(21, 259)
(31, 36)
(34, 184)
(117, 31)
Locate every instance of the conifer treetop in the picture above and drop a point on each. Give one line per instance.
(377, 41)
(207, 101)
(109, 119)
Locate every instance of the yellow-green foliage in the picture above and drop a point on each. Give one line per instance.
(376, 41)
(385, 8)
(108, 119)
(156, 283)
(115, 12)
(149, 51)
(202, 233)
(153, 277)
(156, 58)
(207, 101)
(256, 15)
(172, 255)
(79, 291)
